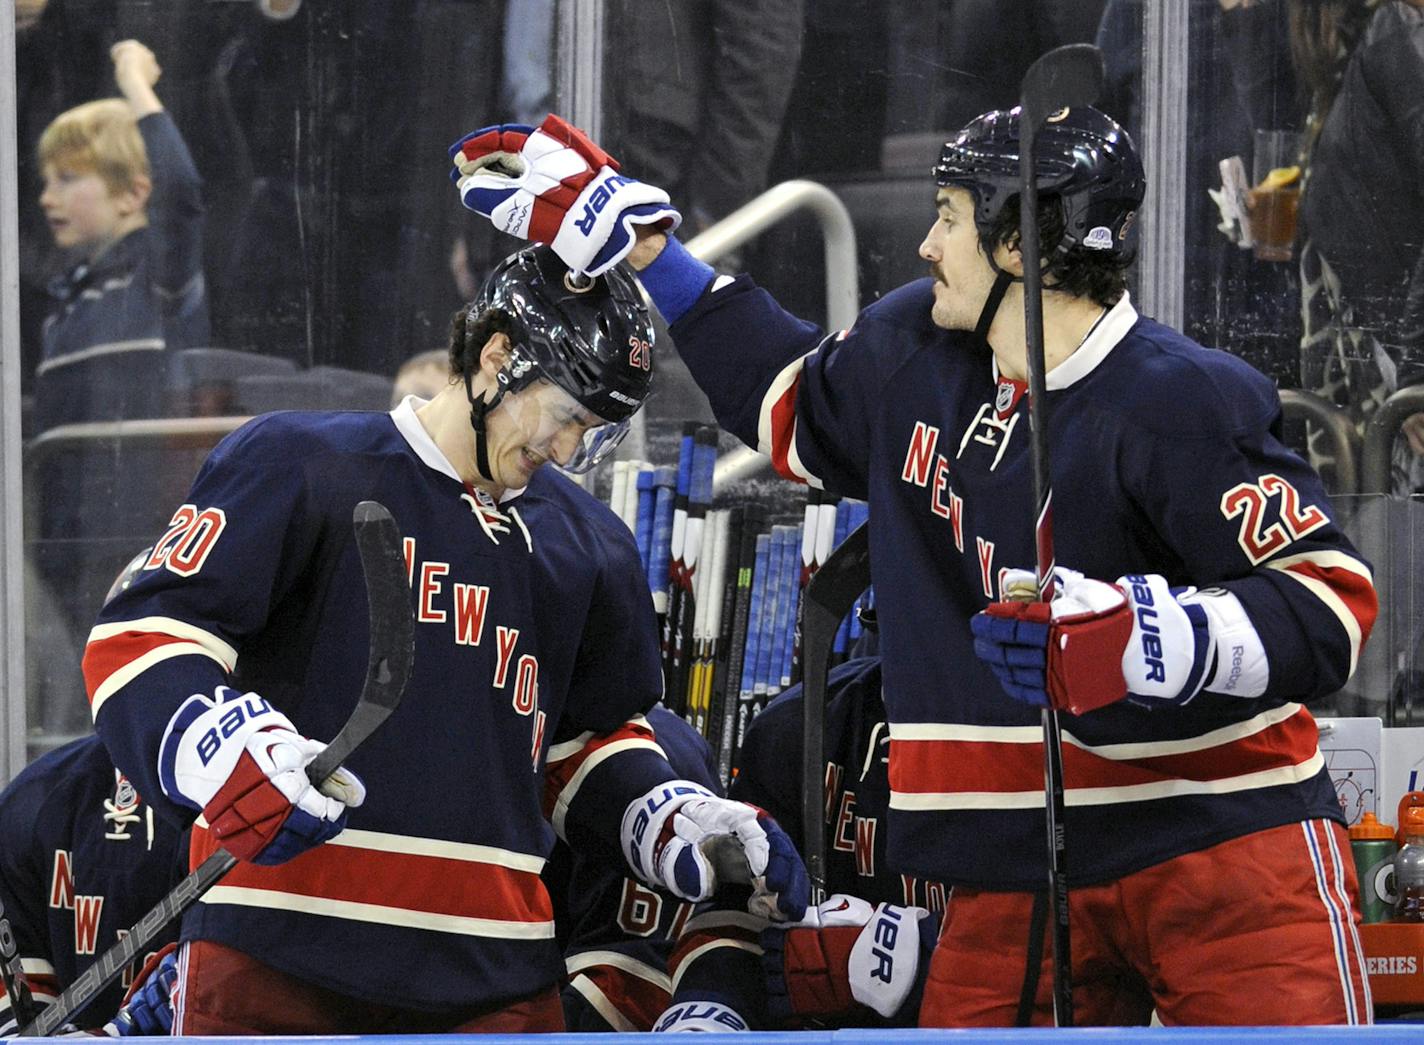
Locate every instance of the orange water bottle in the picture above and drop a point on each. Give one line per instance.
(1372, 844)
(1409, 869)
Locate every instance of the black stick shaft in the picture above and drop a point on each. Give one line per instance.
(1043, 544)
(829, 597)
(22, 1003)
(1066, 76)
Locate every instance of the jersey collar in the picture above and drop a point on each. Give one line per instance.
(419, 439)
(1102, 339)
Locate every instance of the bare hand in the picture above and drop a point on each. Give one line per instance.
(134, 65)
(1413, 431)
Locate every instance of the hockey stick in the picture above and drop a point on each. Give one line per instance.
(829, 597)
(1064, 77)
(392, 628)
(22, 1003)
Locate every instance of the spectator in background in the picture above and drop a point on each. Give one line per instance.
(1362, 210)
(1239, 78)
(123, 199)
(700, 95)
(423, 374)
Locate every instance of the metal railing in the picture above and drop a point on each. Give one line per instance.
(1380, 433)
(775, 205)
(178, 433)
(1342, 435)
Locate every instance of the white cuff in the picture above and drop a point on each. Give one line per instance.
(1241, 666)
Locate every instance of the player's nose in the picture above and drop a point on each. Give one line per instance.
(928, 251)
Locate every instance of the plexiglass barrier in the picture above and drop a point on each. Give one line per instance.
(310, 243)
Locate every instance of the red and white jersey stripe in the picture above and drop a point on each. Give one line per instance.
(397, 880)
(1343, 583)
(937, 766)
(776, 434)
(117, 653)
(570, 763)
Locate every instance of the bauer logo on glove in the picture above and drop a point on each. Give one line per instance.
(553, 185)
(242, 763)
(1098, 643)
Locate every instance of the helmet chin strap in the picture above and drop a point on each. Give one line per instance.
(991, 302)
(478, 409)
(1001, 285)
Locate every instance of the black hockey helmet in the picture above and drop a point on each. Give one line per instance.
(128, 574)
(1081, 156)
(592, 338)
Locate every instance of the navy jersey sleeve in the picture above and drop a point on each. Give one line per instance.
(784, 387)
(229, 555)
(604, 753)
(620, 933)
(1243, 512)
(22, 891)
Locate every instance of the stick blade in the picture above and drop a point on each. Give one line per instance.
(1064, 77)
(392, 635)
(391, 622)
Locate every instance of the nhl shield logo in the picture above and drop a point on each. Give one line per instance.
(121, 810)
(1003, 398)
(125, 797)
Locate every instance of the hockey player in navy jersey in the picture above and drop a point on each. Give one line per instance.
(82, 858)
(616, 932)
(1205, 849)
(536, 655)
(813, 973)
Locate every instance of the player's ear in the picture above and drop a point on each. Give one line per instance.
(494, 355)
(1008, 256)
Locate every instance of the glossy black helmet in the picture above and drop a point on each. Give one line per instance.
(594, 340)
(1081, 156)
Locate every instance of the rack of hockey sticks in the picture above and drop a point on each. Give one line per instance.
(727, 584)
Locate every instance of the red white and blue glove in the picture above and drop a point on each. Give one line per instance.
(243, 764)
(1138, 639)
(553, 185)
(844, 954)
(148, 1008)
(681, 837)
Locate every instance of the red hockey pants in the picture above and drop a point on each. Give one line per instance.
(1258, 930)
(222, 991)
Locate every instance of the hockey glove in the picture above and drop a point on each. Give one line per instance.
(1138, 638)
(553, 185)
(241, 762)
(680, 837)
(148, 1008)
(699, 1016)
(844, 953)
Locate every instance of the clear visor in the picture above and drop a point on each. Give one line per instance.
(545, 423)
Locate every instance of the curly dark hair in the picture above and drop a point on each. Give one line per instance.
(1082, 272)
(467, 338)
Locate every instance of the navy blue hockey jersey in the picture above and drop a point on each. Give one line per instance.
(1166, 458)
(719, 956)
(616, 932)
(857, 783)
(536, 652)
(82, 858)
